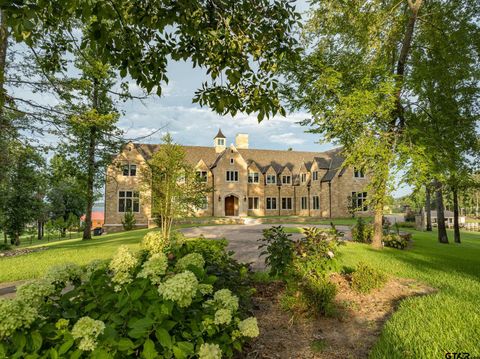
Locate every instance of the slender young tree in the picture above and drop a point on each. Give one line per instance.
(428, 210)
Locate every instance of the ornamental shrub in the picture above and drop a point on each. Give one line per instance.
(366, 278)
(142, 304)
(394, 240)
(362, 232)
(277, 247)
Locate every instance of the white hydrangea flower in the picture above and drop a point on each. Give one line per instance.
(154, 242)
(181, 288)
(15, 314)
(92, 267)
(205, 289)
(35, 292)
(249, 327)
(224, 298)
(154, 268)
(223, 316)
(87, 330)
(209, 351)
(62, 274)
(122, 264)
(191, 259)
(330, 254)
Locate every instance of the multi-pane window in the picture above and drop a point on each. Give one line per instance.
(128, 201)
(232, 176)
(315, 176)
(304, 203)
(253, 177)
(202, 176)
(303, 177)
(252, 202)
(358, 173)
(221, 141)
(271, 179)
(129, 170)
(286, 202)
(271, 203)
(316, 202)
(286, 179)
(359, 201)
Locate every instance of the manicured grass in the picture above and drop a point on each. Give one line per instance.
(34, 265)
(429, 326)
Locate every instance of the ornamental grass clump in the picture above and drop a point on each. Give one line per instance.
(136, 305)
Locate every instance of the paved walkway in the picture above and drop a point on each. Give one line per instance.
(243, 239)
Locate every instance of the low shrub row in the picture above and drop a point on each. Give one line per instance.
(174, 299)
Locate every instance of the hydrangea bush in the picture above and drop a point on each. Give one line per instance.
(162, 302)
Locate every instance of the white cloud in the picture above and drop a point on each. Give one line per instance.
(287, 138)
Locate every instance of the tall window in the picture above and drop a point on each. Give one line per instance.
(358, 173)
(253, 177)
(303, 177)
(221, 141)
(129, 170)
(286, 179)
(286, 202)
(128, 201)
(359, 201)
(316, 202)
(315, 176)
(252, 202)
(202, 176)
(271, 203)
(271, 179)
(232, 176)
(232, 161)
(304, 203)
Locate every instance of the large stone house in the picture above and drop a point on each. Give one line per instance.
(244, 182)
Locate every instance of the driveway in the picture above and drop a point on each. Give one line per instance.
(243, 238)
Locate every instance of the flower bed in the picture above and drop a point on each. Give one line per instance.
(168, 300)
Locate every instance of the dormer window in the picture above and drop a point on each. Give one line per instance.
(220, 141)
(358, 173)
(271, 179)
(286, 179)
(303, 177)
(129, 170)
(202, 176)
(315, 176)
(253, 177)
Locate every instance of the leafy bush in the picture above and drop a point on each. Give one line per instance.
(362, 232)
(394, 240)
(406, 224)
(366, 278)
(129, 221)
(5, 247)
(139, 304)
(278, 250)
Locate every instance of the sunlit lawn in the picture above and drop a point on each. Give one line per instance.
(430, 326)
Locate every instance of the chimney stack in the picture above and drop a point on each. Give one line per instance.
(241, 141)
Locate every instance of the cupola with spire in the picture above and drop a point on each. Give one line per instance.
(220, 141)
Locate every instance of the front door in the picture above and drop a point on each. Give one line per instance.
(230, 206)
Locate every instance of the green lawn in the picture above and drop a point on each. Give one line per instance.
(430, 326)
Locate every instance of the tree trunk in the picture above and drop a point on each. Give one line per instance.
(87, 232)
(456, 224)
(442, 231)
(378, 227)
(3, 57)
(39, 230)
(428, 208)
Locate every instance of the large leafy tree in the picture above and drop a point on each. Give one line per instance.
(358, 79)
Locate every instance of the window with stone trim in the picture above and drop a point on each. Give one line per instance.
(231, 176)
(315, 202)
(271, 203)
(286, 179)
(271, 179)
(304, 204)
(129, 170)
(287, 203)
(202, 176)
(358, 173)
(253, 177)
(253, 203)
(303, 177)
(128, 201)
(315, 175)
(359, 201)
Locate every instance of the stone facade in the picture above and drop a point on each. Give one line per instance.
(244, 182)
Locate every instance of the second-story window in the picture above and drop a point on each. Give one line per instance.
(271, 179)
(128, 201)
(315, 175)
(286, 179)
(231, 176)
(253, 177)
(303, 177)
(202, 176)
(358, 173)
(129, 170)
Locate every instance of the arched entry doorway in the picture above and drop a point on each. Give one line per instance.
(231, 206)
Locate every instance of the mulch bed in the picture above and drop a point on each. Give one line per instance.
(20, 252)
(351, 334)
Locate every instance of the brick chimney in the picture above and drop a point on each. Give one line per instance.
(241, 141)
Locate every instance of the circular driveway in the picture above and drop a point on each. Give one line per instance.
(243, 238)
